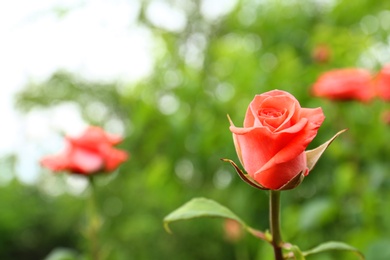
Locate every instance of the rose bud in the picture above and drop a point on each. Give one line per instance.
(271, 144)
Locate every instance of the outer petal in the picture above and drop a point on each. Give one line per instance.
(112, 157)
(254, 147)
(56, 163)
(93, 137)
(297, 141)
(314, 115)
(279, 174)
(258, 147)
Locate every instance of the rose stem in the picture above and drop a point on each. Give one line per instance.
(93, 222)
(274, 221)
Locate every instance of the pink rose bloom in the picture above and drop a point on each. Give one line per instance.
(90, 153)
(345, 84)
(271, 144)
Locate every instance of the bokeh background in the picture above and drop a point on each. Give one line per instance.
(164, 74)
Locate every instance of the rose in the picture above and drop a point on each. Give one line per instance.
(271, 144)
(383, 83)
(90, 153)
(345, 84)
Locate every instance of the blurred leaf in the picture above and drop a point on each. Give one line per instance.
(333, 245)
(316, 212)
(379, 250)
(62, 254)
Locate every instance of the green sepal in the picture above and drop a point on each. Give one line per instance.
(312, 156)
(295, 252)
(294, 182)
(245, 177)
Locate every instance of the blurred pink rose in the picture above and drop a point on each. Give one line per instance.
(345, 84)
(382, 82)
(90, 153)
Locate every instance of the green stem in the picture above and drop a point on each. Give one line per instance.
(274, 221)
(94, 222)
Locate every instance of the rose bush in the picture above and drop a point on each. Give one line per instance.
(90, 153)
(345, 84)
(271, 144)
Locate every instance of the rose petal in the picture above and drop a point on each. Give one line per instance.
(84, 161)
(55, 163)
(255, 146)
(112, 157)
(93, 136)
(280, 174)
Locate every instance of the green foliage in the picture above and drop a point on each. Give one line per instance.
(176, 131)
(31, 224)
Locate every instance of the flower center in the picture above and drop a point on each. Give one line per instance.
(272, 117)
(270, 112)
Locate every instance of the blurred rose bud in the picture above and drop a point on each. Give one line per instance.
(321, 53)
(233, 230)
(90, 153)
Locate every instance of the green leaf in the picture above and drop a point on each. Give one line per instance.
(200, 207)
(312, 156)
(333, 245)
